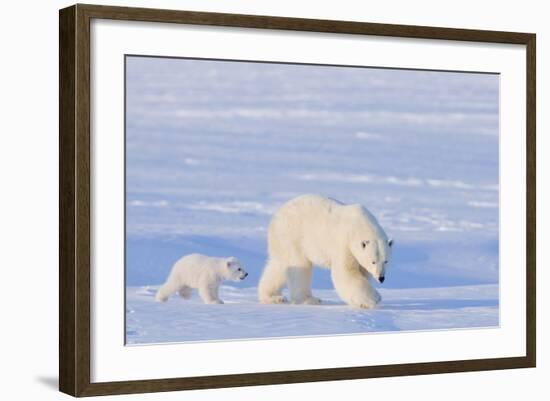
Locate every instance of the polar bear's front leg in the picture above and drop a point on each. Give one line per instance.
(209, 294)
(354, 288)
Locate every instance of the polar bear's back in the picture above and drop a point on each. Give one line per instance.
(302, 227)
(302, 211)
(309, 203)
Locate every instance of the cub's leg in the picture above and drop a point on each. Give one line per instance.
(185, 292)
(209, 294)
(167, 290)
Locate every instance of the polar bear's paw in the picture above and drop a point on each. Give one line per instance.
(366, 302)
(274, 299)
(312, 301)
(366, 305)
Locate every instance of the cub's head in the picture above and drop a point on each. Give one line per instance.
(369, 244)
(234, 270)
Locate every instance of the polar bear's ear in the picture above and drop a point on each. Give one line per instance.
(390, 242)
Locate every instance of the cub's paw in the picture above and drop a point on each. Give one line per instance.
(160, 298)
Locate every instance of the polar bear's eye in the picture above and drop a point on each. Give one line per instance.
(239, 269)
(365, 243)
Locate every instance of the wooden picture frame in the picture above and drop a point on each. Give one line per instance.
(75, 198)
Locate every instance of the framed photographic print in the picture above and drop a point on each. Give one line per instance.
(250, 200)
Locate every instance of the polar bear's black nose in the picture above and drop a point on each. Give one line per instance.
(381, 279)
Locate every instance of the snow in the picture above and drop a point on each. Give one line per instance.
(214, 148)
(241, 317)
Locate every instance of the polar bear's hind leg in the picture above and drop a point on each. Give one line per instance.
(299, 285)
(272, 282)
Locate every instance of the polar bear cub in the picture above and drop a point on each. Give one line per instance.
(204, 273)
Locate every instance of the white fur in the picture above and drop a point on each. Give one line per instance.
(314, 230)
(202, 272)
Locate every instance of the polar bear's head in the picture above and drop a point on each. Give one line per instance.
(234, 270)
(369, 243)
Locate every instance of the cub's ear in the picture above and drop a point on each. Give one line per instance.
(390, 242)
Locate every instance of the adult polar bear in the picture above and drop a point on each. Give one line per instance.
(314, 230)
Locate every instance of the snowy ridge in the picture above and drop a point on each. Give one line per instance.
(242, 317)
